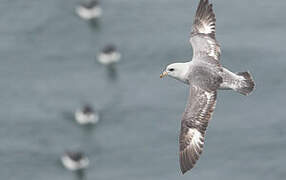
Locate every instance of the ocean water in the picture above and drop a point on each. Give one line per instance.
(48, 69)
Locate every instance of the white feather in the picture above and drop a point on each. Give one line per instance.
(196, 137)
(107, 59)
(89, 14)
(72, 165)
(84, 118)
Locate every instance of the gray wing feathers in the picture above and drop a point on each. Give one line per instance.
(194, 123)
(204, 22)
(203, 32)
(204, 80)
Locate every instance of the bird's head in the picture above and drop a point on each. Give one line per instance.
(177, 71)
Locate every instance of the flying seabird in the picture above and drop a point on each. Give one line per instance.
(109, 55)
(74, 161)
(89, 10)
(86, 115)
(205, 75)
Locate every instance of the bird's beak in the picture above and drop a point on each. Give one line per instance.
(163, 74)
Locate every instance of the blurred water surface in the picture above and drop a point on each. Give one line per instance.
(48, 69)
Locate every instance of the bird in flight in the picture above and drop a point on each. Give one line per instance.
(205, 75)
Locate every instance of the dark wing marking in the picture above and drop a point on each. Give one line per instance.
(204, 22)
(203, 33)
(194, 123)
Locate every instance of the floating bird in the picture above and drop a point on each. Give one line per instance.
(204, 75)
(89, 10)
(109, 55)
(86, 115)
(75, 161)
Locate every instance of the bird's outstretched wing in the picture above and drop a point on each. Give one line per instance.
(194, 123)
(203, 34)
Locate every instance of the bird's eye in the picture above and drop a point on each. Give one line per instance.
(172, 69)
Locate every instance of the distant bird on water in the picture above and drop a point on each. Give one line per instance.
(89, 10)
(109, 55)
(75, 161)
(86, 115)
(205, 75)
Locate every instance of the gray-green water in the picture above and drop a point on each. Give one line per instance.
(48, 69)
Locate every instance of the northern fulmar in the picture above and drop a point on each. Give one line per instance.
(205, 75)
(74, 161)
(89, 10)
(86, 116)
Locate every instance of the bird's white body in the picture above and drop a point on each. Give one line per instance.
(183, 70)
(88, 14)
(109, 58)
(73, 165)
(86, 118)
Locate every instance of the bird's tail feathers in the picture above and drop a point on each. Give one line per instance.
(247, 84)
